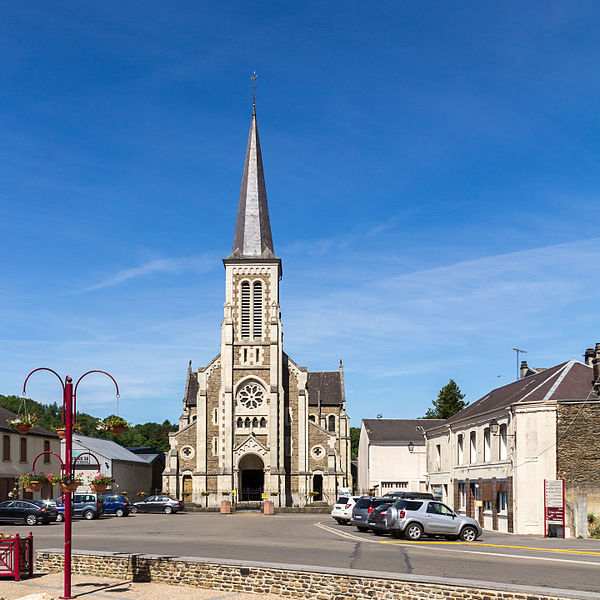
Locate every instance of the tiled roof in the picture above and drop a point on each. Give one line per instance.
(326, 386)
(398, 430)
(570, 380)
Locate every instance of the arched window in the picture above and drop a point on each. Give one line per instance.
(247, 422)
(255, 422)
(245, 310)
(312, 418)
(240, 422)
(257, 310)
(331, 423)
(263, 422)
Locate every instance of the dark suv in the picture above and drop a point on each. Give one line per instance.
(409, 495)
(362, 509)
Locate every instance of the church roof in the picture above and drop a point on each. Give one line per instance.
(253, 230)
(325, 386)
(398, 430)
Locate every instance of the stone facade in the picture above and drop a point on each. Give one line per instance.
(245, 429)
(291, 582)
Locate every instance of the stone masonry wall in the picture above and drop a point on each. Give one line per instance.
(240, 576)
(578, 435)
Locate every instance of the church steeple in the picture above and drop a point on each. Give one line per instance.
(253, 230)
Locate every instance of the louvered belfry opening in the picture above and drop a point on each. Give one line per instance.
(257, 313)
(245, 310)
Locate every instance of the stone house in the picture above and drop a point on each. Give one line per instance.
(19, 452)
(254, 421)
(490, 460)
(391, 455)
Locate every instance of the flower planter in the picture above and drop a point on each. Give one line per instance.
(33, 486)
(117, 429)
(99, 488)
(23, 428)
(61, 433)
(69, 487)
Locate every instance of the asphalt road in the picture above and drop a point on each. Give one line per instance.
(319, 540)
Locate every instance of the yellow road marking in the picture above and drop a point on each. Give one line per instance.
(447, 543)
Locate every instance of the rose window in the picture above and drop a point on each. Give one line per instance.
(251, 395)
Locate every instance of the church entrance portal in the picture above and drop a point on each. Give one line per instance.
(252, 478)
(318, 487)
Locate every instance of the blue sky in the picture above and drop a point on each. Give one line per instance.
(431, 169)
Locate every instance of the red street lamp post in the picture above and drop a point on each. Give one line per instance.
(69, 412)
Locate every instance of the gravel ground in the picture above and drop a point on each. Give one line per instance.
(97, 588)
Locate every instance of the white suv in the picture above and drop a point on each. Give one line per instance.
(342, 510)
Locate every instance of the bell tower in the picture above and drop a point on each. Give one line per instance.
(251, 414)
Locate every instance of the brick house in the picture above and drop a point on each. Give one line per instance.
(490, 460)
(255, 422)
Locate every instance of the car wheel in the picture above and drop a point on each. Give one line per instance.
(119, 512)
(363, 529)
(468, 534)
(414, 532)
(31, 520)
(168, 510)
(60, 518)
(88, 515)
(133, 510)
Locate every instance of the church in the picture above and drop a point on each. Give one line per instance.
(255, 424)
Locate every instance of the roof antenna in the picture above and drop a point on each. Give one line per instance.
(518, 351)
(253, 85)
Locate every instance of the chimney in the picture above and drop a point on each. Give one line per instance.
(589, 356)
(524, 368)
(596, 365)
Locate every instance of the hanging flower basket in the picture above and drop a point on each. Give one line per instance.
(33, 486)
(25, 421)
(61, 433)
(116, 425)
(99, 488)
(69, 487)
(99, 483)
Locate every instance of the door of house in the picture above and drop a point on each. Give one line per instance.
(187, 488)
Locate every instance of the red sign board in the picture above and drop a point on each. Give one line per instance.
(554, 504)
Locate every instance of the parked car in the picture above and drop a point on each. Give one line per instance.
(86, 505)
(30, 512)
(407, 495)
(116, 504)
(342, 509)
(162, 504)
(377, 521)
(363, 508)
(415, 518)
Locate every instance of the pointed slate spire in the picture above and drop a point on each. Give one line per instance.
(253, 230)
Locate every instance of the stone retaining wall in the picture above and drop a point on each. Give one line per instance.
(292, 581)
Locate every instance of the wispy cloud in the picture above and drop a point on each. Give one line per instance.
(173, 266)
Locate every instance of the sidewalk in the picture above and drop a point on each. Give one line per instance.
(100, 588)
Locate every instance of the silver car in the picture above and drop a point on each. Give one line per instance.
(415, 518)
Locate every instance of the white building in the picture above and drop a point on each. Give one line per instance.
(130, 472)
(490, 460)
(391, 455)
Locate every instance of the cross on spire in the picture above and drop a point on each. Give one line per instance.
(253, 85)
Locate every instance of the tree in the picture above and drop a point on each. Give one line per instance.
(354, 439)
(448, 403)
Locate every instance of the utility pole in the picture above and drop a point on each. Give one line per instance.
(519, 351)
